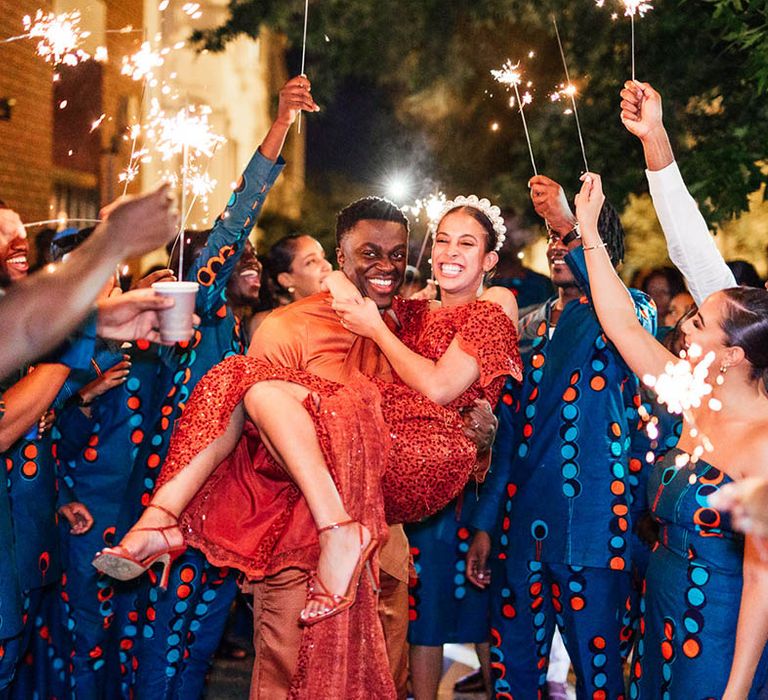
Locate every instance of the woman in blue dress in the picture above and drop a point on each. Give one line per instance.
(690, 645)
(443, 607)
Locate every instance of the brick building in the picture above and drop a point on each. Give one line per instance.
(53, 163)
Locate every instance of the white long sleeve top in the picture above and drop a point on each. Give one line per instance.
(691, 246)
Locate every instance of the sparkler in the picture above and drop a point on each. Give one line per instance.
(61, 221)
(188, 127)
(60, 37)
(431, 206)
(142, 64)
(187, 134)
(97, 123)
(632, 8)
(683, 387)
(304, 52)
(137, 156)
(509, 74)
(570, 91)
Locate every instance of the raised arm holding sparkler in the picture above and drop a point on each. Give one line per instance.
(691, 246)
(729, 331)
(215, 263)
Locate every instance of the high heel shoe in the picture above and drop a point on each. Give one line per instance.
(119, 563)
(333, 602)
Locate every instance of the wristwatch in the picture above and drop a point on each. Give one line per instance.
(571, 236)
(77, 401)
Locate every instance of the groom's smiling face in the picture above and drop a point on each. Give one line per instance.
(373, 255)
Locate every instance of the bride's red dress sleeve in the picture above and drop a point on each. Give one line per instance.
(431, 459)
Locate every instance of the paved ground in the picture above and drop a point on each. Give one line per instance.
(229, 680)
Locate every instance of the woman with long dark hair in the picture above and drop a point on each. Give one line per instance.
(701, 571)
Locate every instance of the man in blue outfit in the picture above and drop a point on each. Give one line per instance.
(559, 495)
(167, 639)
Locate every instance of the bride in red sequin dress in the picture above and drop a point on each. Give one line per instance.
(339, 460)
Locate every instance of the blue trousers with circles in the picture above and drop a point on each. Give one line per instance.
(591, 608)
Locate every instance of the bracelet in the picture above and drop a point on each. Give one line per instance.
(593, 247)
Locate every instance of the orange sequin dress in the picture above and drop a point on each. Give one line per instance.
(395, 456)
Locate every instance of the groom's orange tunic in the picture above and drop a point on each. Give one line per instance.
(307, 335)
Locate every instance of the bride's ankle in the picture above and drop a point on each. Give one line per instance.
(347, 532)
(157, 516)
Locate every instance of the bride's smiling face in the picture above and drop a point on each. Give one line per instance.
(460, 256)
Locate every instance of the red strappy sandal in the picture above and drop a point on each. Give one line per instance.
(119, 563)
(333, 602)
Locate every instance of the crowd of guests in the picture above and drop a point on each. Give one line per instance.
(321, 444)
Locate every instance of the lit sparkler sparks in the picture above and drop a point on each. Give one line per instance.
(430, 208)
(186, 134)
(132, 169)
(201, 184)
(192, 10)
(188, 128)
(97, 123)
(632, 8)
(59, 37)
(683, 387)
(510, 76)
(142, 64)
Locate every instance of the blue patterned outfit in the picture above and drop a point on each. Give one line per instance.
(10, 592)
(530, 288)
(167, 639)
(34, 499)
(693, 589)
(444, 608)
(558, 500)
(97, 453)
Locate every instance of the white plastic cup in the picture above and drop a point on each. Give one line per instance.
(176, 322)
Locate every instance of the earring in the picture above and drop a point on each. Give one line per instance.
(721, 377)
(291, 290)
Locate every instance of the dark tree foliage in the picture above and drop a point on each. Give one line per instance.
(428, 62)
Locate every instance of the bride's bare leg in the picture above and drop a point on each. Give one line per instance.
(174, 495)
(277, 409)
